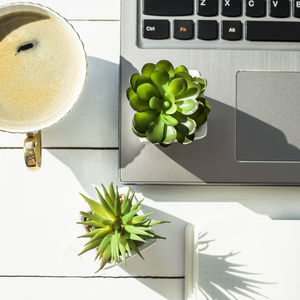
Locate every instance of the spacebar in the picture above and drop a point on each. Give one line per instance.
(273, 31)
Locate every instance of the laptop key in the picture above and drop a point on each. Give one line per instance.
(297, 8)
(280, 8)
(273, 31)
(208, 30)
(168, 7)
(255, 8)
(156, 29)
(232, 30)
(208, 8)
(231, 8)
(183, 29)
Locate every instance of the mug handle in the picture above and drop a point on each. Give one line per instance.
(33, 150)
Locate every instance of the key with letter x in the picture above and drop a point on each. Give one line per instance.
(231, 8)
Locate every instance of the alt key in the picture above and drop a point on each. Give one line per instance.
(232, 30)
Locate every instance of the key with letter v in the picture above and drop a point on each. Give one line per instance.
(280, 8)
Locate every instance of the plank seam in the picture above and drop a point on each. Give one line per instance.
(86, 277)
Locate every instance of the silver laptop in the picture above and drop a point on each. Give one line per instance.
(249, 51)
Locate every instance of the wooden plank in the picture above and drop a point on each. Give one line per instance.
(90, 288)
(93, 122)
(89, 9)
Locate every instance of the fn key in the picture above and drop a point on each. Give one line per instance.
(156, 29)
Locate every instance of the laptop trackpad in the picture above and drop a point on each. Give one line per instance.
(268, 116)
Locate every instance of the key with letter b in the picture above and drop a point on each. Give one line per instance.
(297, 8)
(208, 8)
(231, 8)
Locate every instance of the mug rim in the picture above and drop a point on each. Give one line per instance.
(70, 28)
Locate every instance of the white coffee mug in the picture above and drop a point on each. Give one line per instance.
(32, 144)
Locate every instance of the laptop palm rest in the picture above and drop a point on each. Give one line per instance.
(268, 116)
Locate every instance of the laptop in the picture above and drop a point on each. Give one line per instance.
(249, 52)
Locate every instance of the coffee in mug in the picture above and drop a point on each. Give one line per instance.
(42, 70)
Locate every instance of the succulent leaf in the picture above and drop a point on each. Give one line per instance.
(167, 66)
(135, 237)
(108, 200)
(146, 91)
(115, 231)
(137, 104)
(187, 107)
(89, 247)
(158, 95)
(122, 246)
(95, 206)
(147, 69)
(106, 206)
(133, 80)
(117, 202)
(155, 132)
(160, 79)
(100, 221)
(133, 246)
(156, 103)
(181, 69)
(177, 86)
(128, 205)
(105, 257)
(142, 120)
(139, 219)
(170, 135)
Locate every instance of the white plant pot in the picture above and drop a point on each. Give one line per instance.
(200, 132)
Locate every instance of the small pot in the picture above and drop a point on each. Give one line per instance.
(141, 246)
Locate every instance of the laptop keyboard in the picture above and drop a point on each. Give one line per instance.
(219, 24)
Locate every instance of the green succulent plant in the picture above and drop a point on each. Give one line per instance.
(115, 226)
(169, 103)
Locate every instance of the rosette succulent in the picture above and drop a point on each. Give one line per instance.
(169, 103)
(115, 226)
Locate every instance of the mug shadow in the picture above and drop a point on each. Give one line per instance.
(82, 126)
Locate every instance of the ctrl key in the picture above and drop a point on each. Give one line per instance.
(156, 29)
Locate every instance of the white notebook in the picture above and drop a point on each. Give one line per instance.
(243, 259)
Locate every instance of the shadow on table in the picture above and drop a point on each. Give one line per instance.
(163, 259)
(264, 200)
(224, 280)
(221, 279)
(93, 121)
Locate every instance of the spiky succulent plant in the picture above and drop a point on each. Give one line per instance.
(169, 103)
(115, 226)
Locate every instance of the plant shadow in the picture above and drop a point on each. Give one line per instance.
(163, 259)
(218, 278)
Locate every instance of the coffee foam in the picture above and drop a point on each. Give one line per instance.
(39, 71)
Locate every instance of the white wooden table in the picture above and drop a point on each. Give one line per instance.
(39, 210)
